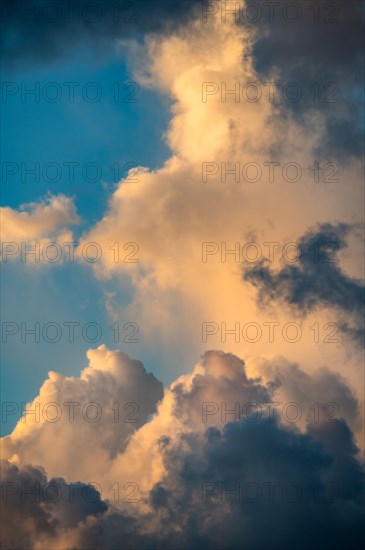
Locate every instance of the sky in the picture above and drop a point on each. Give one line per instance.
(182, 208)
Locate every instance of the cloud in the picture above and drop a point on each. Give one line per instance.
(35, 225)
(41, 512)
(169, 213)
(322, 395)
(37, 220)
(246, 460)
(93, 416)
(215, 482)
(320, 49)
(313, 46)
(316, 281)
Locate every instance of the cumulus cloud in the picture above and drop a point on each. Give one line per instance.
(33, 226)
(210, 478)
(92, 416)
(316, 281)
(171, 213)
(36, 220)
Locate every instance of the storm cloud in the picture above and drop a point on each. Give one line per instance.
(41, 32)
(315, 280)
(218, 483)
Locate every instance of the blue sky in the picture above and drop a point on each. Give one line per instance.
(112, 134)
(105, 132)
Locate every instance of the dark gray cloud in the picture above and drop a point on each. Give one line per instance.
(41, 31)
(288, 383)
(316, 280)
(35, 507)
(327, 44)
(287, 489)
(323, 44)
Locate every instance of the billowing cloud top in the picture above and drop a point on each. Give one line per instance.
(207, 468)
